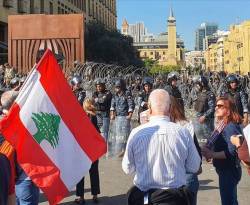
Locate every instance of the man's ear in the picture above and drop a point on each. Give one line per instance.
(149, 108)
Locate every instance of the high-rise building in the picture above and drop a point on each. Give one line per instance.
(137, 31)
(199, 36)
(205, 29)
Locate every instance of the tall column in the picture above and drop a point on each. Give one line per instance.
(172, 57)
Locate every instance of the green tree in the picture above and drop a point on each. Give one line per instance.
(47, 125)
(109, 46)
(160, 69)
(149, 63)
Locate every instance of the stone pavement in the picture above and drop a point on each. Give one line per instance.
(114, 185)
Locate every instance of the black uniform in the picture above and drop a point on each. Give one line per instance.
(240, 98)
(103, 102)
(80, 95)
(175, 92)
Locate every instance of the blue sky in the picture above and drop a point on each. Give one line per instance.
(189, 14)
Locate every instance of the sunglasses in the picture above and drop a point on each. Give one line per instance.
(220, 106)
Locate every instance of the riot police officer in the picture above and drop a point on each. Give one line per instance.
(158, 84)
(204, 107)
(102, 98)
(172, 88)
(77, 89)
(137, 86)
(234, 91)
(14, 83)
(122, 107)
(143, 96)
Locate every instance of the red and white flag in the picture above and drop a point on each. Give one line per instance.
(54, 139)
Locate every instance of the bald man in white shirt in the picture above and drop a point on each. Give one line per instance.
(160, 153)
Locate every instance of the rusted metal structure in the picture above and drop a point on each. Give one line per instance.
(63, 34)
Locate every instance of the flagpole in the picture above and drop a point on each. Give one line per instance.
(32, 70)
(28, 77)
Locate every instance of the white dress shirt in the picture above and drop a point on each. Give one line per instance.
(160, 153)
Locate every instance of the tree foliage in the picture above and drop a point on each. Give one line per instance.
(155, 68)
(109, 46)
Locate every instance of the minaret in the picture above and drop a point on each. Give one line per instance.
(172, 56)
(125, 27)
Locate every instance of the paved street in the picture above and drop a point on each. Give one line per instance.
(114, 185)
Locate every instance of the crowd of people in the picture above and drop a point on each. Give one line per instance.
(164, 150)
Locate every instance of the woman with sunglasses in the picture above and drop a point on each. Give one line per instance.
(223, 152)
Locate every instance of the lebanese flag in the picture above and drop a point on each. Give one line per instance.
(55, 141)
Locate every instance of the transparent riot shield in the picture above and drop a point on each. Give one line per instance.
(118, 136)
(203, 130)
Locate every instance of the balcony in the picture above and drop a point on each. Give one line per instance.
(8, 3)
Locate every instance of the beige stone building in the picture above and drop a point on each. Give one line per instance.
(214, 54)
(233, 53)
(102, 11)
(166, 49)
(194, 59)
(237, 49)
(211, 57)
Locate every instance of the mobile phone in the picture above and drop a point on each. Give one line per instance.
(241, 137)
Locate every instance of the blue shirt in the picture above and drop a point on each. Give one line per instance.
(223, 143)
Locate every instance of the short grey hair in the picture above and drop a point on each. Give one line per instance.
(8, 98)
(159, 100)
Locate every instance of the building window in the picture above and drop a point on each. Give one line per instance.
(8, 3)
(42, 6)
(240, 58)
(22, 6)
(51, 8)
(151, 53)
(89, 7)
(32, 8)
(84, 6)
(163, 52)
(96, 11)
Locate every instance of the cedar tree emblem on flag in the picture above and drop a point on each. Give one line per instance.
(47, 125)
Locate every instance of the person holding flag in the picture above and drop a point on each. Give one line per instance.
(48, 135)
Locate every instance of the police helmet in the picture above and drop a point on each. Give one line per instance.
(22, 79)
(231, 78)
(14, 81)
(147, 81)
(138, 77)
(76, 80)
(120, 83)
(201, 80)
(172, 76)
(159, 77)
(99, 81)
